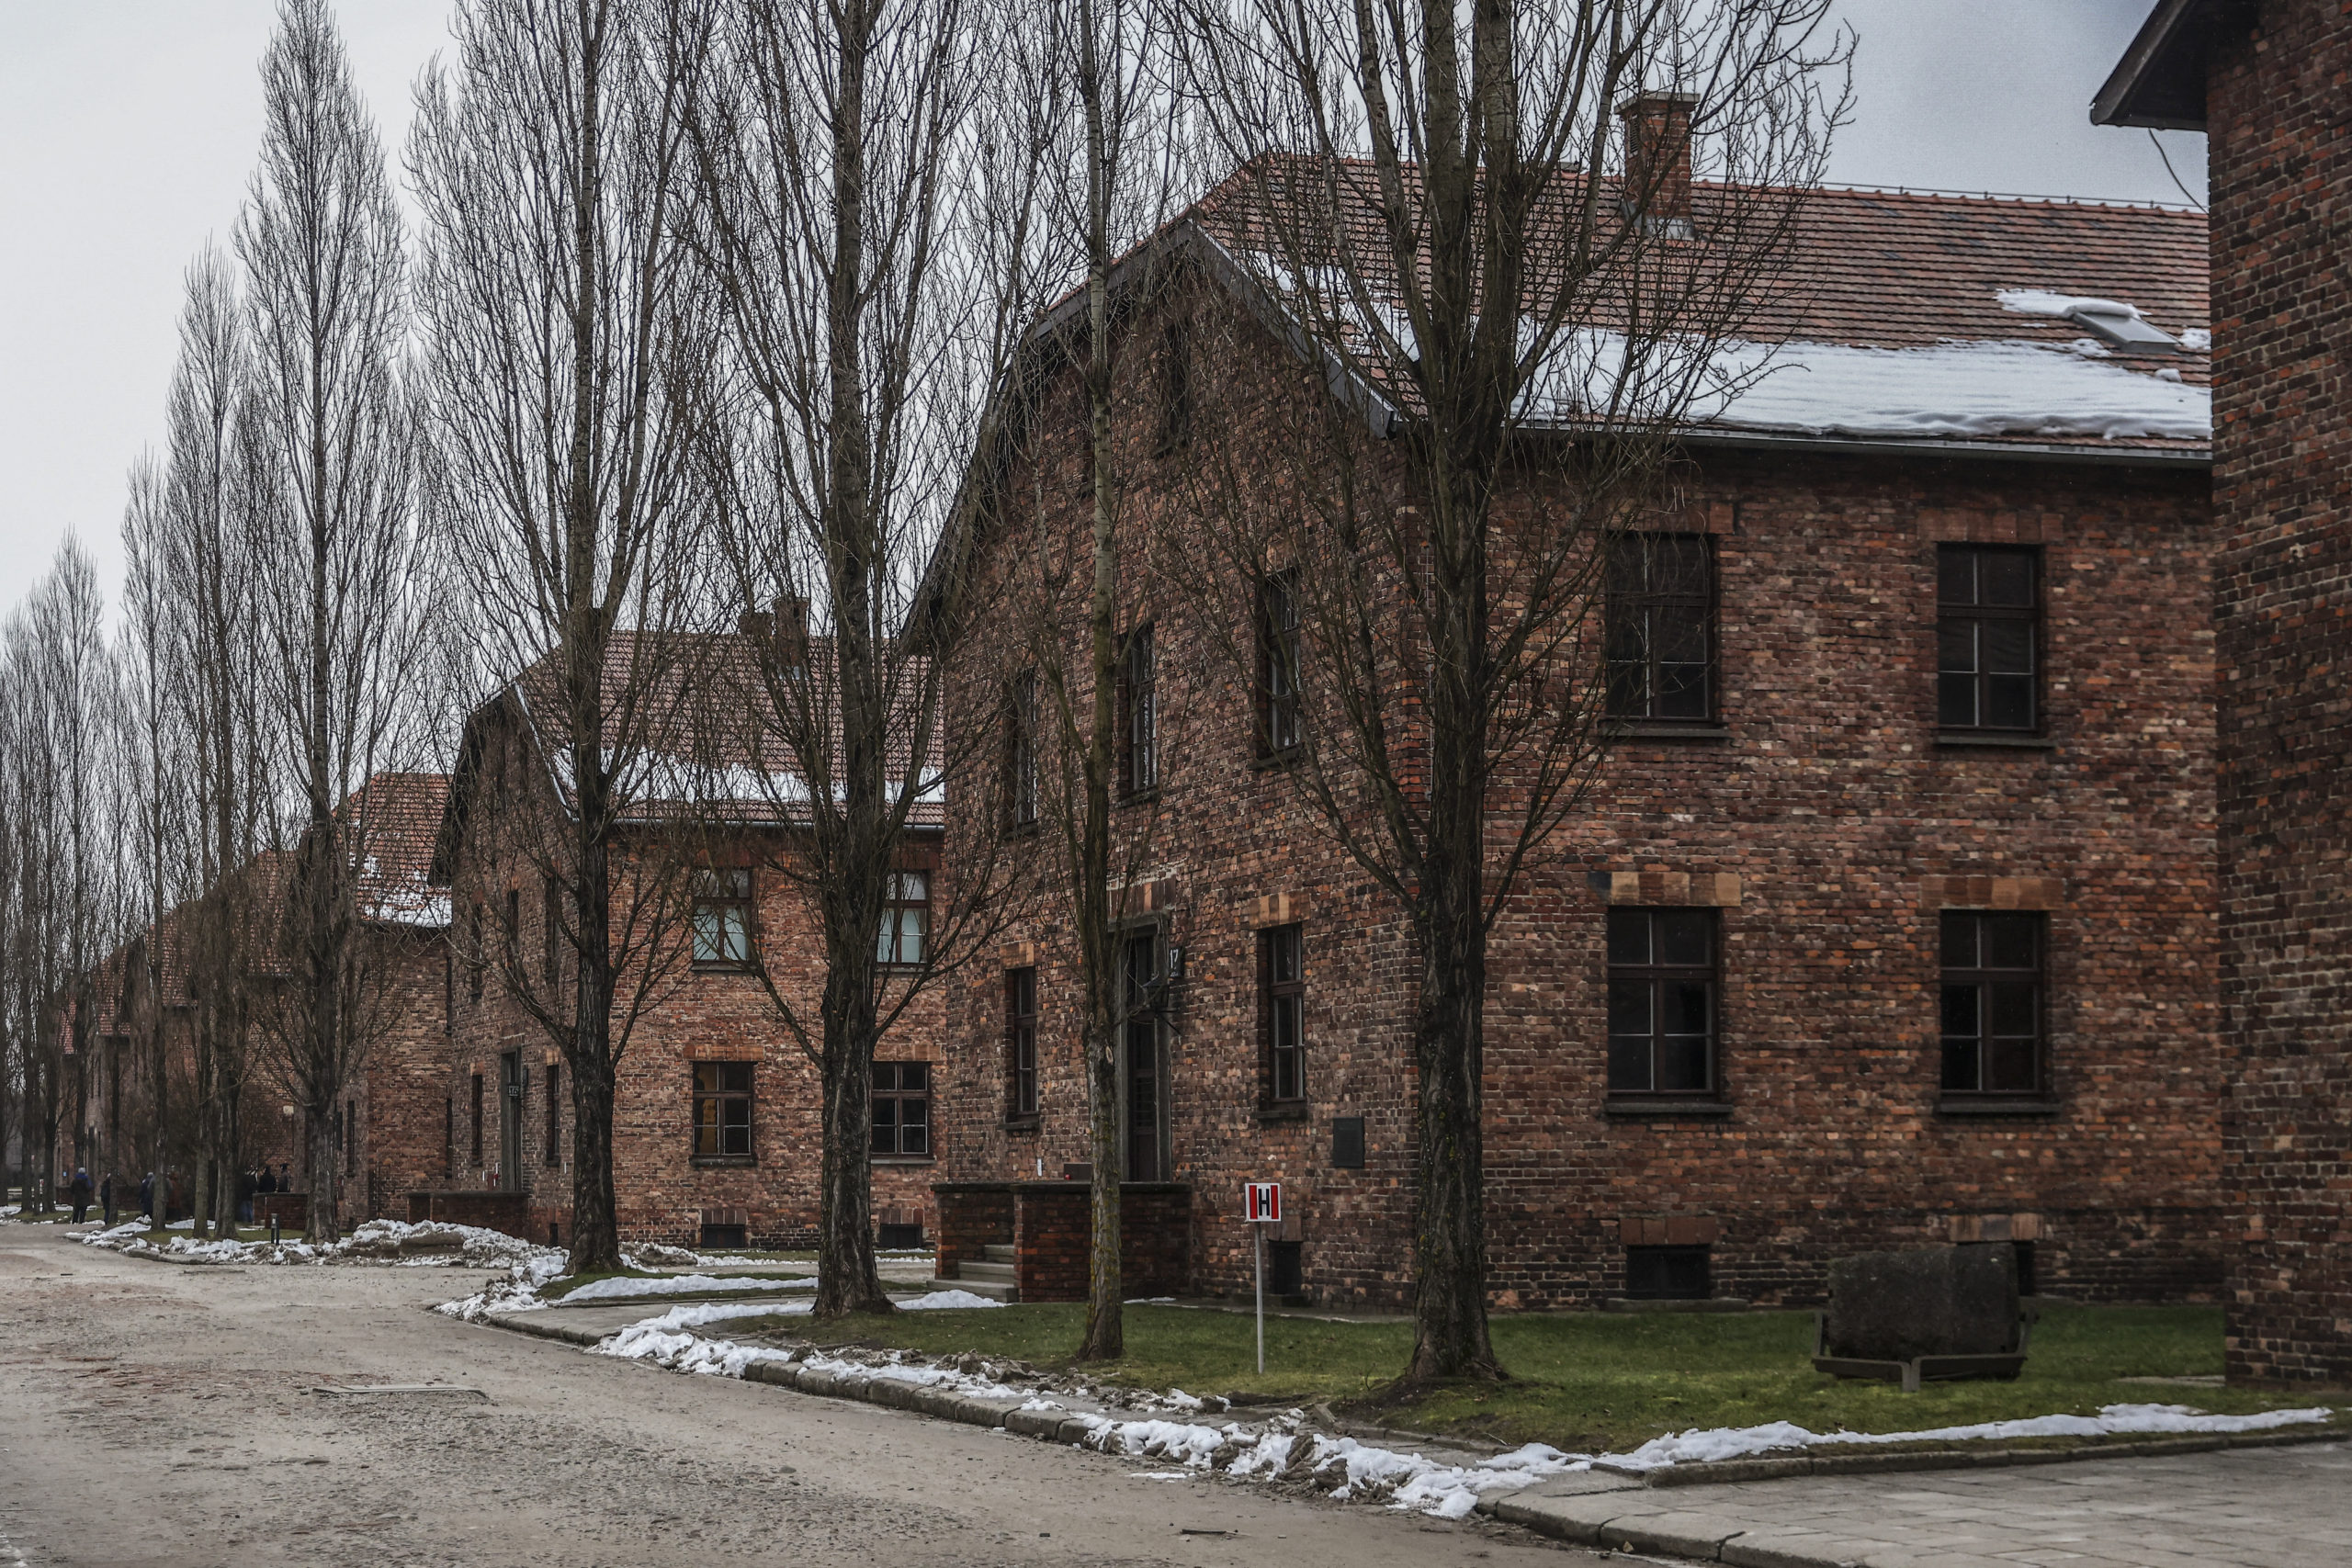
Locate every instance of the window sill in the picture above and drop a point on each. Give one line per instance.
(1141, 797)
(1665, 729)
(1996, 743)
(1028, 1124)
(1271, 1115)
(702, 1161)
(1275, 761)
(901, 1159)
(1666, 1110)
(2022, 1106)
(701, 969)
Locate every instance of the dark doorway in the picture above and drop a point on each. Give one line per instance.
(1139, 1061)
(510, 1121)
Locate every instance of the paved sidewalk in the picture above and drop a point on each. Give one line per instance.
(2283, 1508)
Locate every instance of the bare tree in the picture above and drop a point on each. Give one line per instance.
(206, 550)
(1422, 200)
(1114, 168)
(321, 243)
(59, 695)
(865, 323)
(563, 324)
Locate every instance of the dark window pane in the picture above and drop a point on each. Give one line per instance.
(1628, 936)
(2012, 1009)
(915, 1077)
(1956, 699)
(1960, 1065)
(1956, 577)
(1681, 633)
(1629, 1007)
(1959, 941)
(2009, 942)
(2008, 701)
(1629, 1064)
(1680, 565)
(2005, 578)
(1628, 636)
(1682, 1066)
(1628, 696)
(1626, 564)
(2008, 647)
(2009, 1067)
(1959, 1014)
(1684, 937)
(1956, 647)
(1681, 690)
(1686, 1008)
(735, 1076)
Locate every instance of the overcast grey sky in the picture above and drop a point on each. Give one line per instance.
(127, 129)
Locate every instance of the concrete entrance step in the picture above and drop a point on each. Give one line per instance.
(994, 1290)
(1003, 1273)
(998, 1252)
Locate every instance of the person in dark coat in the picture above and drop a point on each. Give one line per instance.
(248, 1185)
(269, 1182)
(106, 1199)
(79, 1189)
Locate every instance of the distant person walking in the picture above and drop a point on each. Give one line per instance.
(79, 1189)
(147, 1196)
(106, 1199)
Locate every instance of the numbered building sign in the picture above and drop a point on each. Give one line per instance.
(1262, 1203)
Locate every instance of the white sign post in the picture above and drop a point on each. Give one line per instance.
(1262, 1206)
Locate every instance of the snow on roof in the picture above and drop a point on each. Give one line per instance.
(1957, 390)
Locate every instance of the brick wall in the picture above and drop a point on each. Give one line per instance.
(1825, 823)
(664, 1193)
(2280, 155)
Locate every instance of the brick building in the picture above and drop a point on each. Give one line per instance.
(2267, 82)
(140, 1108)
(1890, 915)
(716, 1123)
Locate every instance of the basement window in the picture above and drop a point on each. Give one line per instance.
(898, 1239)
(1668, 1274)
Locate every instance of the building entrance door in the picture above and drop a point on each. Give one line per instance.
(1142, 1070)
(510, 1121)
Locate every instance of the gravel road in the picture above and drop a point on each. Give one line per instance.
(160, 1415)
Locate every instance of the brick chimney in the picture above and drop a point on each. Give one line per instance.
(1657, 156)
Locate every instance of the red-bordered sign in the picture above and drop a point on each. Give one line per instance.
(1262, 1202)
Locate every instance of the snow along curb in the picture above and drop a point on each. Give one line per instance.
(1082, 1430)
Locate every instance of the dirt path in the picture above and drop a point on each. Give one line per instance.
(158, 1414)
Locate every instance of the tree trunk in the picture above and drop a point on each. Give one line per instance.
(595, 1236)
(595, 1220)
(321, 1218)
(1105, 1338)
(847, 1279)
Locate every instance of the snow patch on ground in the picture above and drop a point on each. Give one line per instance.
(622, 1288)
(429, 1245)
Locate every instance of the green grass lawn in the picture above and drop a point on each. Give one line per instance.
(1592, 1383)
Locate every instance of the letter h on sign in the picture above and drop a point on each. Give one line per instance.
(1263, 1203)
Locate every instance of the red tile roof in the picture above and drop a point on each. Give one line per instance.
(1864, 269)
